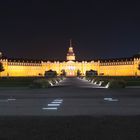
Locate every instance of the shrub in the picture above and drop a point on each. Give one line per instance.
(133, 83)
(117, 84)
(98, 81)
(105, 82)
(62, 78)
(40, 83)
(88, 78)
(53, 81)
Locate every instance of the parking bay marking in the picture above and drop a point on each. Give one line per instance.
(53, 105)
(111, 100)
(49, 108)
(6, 100)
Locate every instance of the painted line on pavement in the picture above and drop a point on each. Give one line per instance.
(53, 105)
(6, 100)
(56, 102)
(11, 99)
(111, 100)
(49, 108)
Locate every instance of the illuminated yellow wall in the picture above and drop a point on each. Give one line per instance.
(120, 68)
(116, 68)
(21, 68)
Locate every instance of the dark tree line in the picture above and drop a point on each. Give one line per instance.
(139, 67)
(1, 67)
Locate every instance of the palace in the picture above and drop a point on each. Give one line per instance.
(104, 67)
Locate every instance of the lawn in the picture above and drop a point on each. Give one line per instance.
(16, 81)
(129, 80)
(23, 81)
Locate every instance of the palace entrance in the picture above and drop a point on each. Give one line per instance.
(71, 70)
(70, 74)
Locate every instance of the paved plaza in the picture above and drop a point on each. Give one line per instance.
(72, 96)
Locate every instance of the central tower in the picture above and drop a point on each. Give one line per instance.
(70, 54)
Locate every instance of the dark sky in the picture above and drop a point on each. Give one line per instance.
(42, 29)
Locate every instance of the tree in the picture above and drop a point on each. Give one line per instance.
(78, 73)
(91, 73)
(63, 72)
(1, 67)
(50, 74)
(139, 67)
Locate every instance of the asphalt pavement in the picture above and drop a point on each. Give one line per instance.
(71, 97)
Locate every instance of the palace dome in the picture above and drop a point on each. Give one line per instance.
(70, 54)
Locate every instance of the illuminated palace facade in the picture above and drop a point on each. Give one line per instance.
(108, 67)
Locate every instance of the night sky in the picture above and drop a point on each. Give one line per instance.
(42, 29)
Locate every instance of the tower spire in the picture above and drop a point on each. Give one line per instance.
(70, 54)
(70, 42)
(0, 54)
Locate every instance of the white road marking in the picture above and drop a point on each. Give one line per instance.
(6, 100)
(49, 108)
(111, 99)
(56, 102)
(53, 104)
(11, 99)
